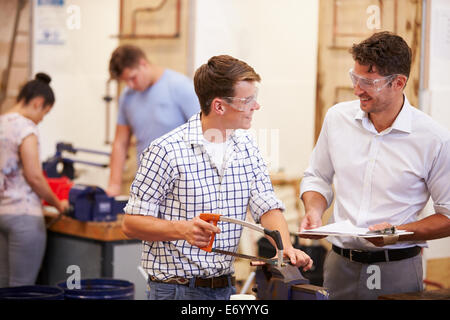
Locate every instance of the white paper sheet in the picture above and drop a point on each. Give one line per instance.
(345, 228)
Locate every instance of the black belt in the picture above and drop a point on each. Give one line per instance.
(214, 283)
(377, 256)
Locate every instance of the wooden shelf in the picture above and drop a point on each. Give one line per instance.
(442, 294)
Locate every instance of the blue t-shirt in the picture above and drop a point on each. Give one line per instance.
(165, 105)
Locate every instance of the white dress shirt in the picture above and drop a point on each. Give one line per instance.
(379, 176)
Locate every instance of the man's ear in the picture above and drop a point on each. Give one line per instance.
(143, 62)
(400, 82)
(217, 106)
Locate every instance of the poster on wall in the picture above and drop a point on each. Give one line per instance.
(50, 22)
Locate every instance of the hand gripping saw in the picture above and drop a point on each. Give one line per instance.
(274, 234)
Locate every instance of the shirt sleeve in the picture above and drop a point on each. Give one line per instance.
(121, 115)
(25, 131)
(152, 183)
(438, 180)
(262, 195)
(319, 175)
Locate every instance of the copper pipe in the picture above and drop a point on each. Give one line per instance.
(107, 98)
(133, 35)
(138, 10)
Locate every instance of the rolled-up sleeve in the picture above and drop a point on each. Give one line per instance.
(262, 195)
(438, 180)
(152, 182)
(318, 176)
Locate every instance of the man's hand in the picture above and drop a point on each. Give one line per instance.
(198, 232)
(382, 240)
(113, 190)
(298, 258)
(311, 221)
(380, 226)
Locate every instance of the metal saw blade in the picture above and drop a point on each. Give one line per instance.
(244, 256)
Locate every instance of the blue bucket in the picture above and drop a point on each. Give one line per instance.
(100, 289)
(37, 292)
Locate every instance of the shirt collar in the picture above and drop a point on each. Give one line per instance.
(401, 123)
(404, 118)
(194, 133)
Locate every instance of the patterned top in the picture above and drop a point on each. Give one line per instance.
(177, 181)
(16, 195)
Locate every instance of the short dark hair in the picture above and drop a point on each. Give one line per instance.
(39, 87)
(125, 56)
(218, 77)
(388, 52)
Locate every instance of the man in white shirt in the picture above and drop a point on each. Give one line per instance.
(385, 158)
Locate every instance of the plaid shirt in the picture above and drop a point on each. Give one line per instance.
(176, 180)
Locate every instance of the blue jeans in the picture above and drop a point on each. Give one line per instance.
(168, 291)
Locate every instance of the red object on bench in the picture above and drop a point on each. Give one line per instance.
(60, 186)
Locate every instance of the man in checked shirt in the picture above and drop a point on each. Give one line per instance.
(208, 165)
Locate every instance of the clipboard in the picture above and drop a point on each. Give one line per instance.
(340, 234)
(347, 229)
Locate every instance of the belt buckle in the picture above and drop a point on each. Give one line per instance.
(351, 254)
(182, 281)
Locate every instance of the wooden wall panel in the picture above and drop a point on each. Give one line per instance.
(20, 71)
(344, 22)
(172, 52)
(168, 52)
(438, 271)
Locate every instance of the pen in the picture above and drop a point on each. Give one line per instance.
(390, 230)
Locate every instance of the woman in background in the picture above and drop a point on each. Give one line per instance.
(23, 185)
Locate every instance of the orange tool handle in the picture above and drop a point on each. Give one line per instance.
(213, 218)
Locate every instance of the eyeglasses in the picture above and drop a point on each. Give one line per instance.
(371, 84)
(245, 103)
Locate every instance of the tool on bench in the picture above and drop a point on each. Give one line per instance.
(88, 203)
(50, 166)
(285, 283)
(277, 279)
(274, 234)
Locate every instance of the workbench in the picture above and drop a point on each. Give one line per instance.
(99, 249)
(441, 294)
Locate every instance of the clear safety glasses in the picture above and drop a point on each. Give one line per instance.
(244, 104)
(371, 84)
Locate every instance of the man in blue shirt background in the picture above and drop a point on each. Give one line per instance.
(155, 101)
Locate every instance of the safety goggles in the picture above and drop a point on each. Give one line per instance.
(371, 84)
(244, 104)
